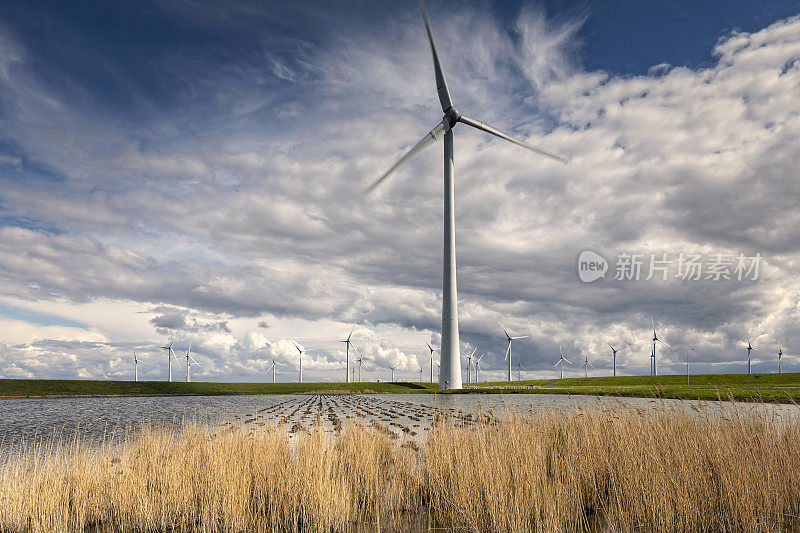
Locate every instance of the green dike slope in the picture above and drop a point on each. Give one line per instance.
(783, 388)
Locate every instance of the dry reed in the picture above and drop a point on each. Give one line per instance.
(617, 470)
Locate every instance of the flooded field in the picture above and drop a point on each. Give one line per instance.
(401, 414)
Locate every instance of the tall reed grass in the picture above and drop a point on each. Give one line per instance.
(615, 470)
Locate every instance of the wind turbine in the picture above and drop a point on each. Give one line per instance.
(301, 351)
(654, 369)
(780, 356)
(360, 362)
(749, 349)
(615, 359)
(420, 373)
(508, 348)
(478, 368)
(687, 364)
(136, 367)
(432, 349)
(189, 361)
(170, 356)
(586, 364)
(347, 342)
(560, 362)
(451, 360)
(392, 369)
(272, 367)
(469, 365)
(519, 371)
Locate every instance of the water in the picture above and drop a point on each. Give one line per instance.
(403, 415)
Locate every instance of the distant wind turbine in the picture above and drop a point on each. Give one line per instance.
(272, 367)
(136, 362)
(561, 360)
(687, 364)
(451, 371)
(586, 364)
(300, 353)
(614, 351)
(519, 371)
(509, 338)
(780, 356)
(432, 349)
(469, 365)
(360, 362)
(420, 373)
(749, 349)
(347, 342)
(189, 361)
(654, 368)
(170, 356)
(392, 369)
(478, 368)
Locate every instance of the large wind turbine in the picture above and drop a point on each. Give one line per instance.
(432, 349)
(189, 361)
(392, 369)
(347, 342)
(749, 349)
(272, 367)
(780, 356)
(450, 377)
(508, 348)
(300, 353)
(136, 367)
(170, 356)
(560, 363)
(654, 368)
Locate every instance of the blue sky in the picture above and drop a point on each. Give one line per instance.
(191, 171)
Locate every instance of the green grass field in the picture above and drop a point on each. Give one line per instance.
(758, 387)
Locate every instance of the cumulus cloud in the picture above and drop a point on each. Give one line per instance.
(238, 209)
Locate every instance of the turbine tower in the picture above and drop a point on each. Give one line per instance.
(300, 353)
(189, 361)
(136, 362)
(614, 353)
(560, 363)
(508, 348)
(780, 356)
(432, 349)
(450, 377)
(749, 349)
(347, 342)
(654, 368)
(170, 356)
(392, 369)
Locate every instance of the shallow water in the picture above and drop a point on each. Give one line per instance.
(404, 415)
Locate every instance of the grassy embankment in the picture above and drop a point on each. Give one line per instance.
(757, 387)
(620, 471)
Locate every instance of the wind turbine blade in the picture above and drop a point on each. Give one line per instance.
(296, 346)
(559, 362)
(356, 349)
(508, 350)
(568, 361)
(654, 326)
(664, 343)
(431, 137)
(520, 337)
(473, 351)
(590, 364)
(441, 84)
(560, 349)
(494, 131)
(351, 331)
